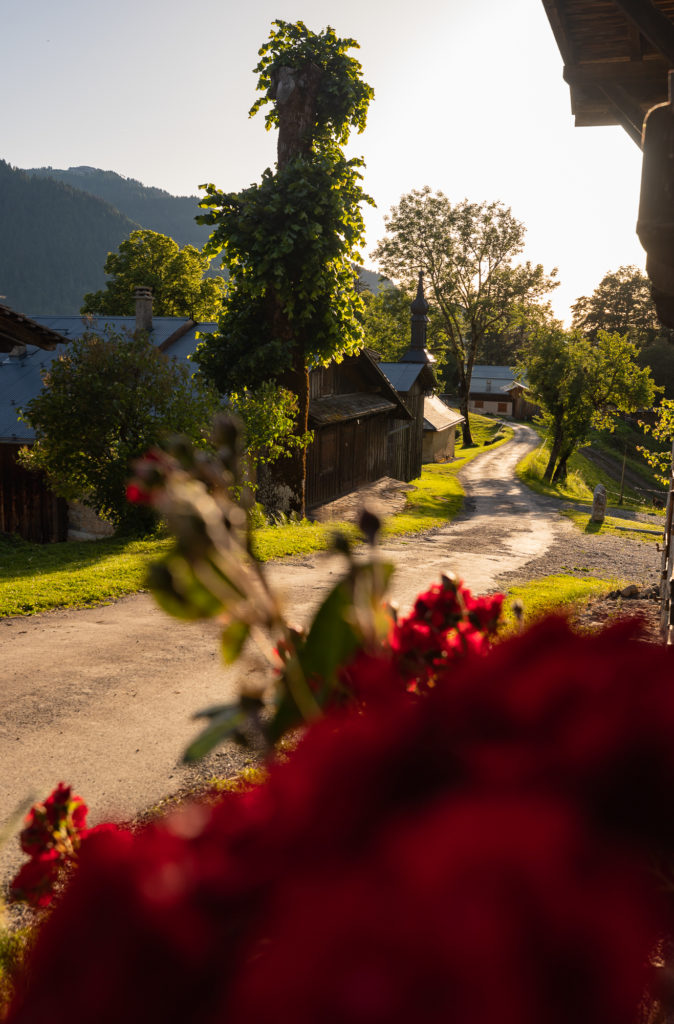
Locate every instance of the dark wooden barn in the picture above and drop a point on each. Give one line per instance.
(354, 413)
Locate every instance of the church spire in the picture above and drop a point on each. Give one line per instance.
(417, 352)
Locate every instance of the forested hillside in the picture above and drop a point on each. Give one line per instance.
(58, 226)
(53, 242)
(150, 207)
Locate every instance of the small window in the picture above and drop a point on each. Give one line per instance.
(478, 403)
(502, 407)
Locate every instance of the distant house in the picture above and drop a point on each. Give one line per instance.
(497, 390)
(440, 423)
(27, 506)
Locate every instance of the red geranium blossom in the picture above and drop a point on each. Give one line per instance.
(474, 856)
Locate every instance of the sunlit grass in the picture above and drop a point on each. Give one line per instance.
(620, 527)
(552, 594)
(37, 577)
(582, 478)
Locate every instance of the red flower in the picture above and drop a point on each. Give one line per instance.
(478, 855)
(35, 882)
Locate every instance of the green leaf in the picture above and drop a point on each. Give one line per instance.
(232, 639)
(228, 723)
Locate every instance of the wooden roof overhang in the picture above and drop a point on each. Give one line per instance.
(616, 57)
(17, 330)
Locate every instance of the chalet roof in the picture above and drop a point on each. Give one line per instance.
(488, 379)
(616, 56)
(404, 375)
(335, 408)
(17, 330)
(21, 376)
(438, 415)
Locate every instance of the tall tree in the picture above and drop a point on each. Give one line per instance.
(620, 303)
(466, 252)
(581, 385)
(176, 277)
(290, 241)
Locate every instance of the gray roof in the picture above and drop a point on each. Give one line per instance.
(21, 376)
(334, 408)
(402, 375)
(487, 379)
(438, 416)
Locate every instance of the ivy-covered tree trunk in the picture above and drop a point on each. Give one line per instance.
(295, 92)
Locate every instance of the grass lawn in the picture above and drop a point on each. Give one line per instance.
(37, 577)
(583, 477)
(552, 594)
(649, 532)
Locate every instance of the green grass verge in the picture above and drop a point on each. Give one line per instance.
(583, 476)
(552, 594)
(36, 577)
(620, 527)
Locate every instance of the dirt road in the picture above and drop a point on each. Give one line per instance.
(102, 698)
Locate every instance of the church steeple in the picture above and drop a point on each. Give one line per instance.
(417, 352)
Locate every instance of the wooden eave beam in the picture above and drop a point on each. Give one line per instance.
(623, 72)
(19, 334)
(654, 26)
(628, 113)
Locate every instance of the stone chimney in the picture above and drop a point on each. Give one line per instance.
(417, 352)
(143, 297)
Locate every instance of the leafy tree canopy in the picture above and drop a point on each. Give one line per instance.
(581, 385)
(175, 275)
(466, 252)
(621, 302)
(104, 403)
(342, 97)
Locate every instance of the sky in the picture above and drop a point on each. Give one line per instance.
(469, 99)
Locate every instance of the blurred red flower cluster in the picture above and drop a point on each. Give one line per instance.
(52, 838)
(484, 854)
(445, 624)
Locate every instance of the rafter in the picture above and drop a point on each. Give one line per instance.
(628, 113)
(654, 26)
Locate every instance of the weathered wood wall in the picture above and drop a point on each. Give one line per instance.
(406, 438)
(27, 506)
(346, 455)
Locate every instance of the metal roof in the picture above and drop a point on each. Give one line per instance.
(438, 416)
(334, 408)
(402, 375)
(493, 379)
(21, 376)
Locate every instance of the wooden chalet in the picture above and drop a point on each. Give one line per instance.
(27, 506)
(354, 413)
(368, 416)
